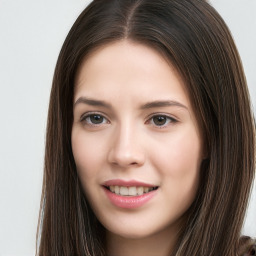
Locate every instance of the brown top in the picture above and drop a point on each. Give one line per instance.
(247, 246)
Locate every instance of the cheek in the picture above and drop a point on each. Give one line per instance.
(179, 154)
(87, 154)
(178, 162)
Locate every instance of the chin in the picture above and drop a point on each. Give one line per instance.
(127, 233)
(139, 230)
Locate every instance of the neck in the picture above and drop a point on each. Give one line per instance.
(160, 244)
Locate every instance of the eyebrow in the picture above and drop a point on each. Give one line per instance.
(149, 105)
(92, 102)
(163, 103)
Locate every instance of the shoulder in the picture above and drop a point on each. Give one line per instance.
(247, 246)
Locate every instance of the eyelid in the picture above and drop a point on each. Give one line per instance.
(90, 113)
(173, 120)
(173, 117)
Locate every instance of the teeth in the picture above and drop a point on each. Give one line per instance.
(146, 189)
(140, 191)
(130, 191)
(124, 191)
(117, 190)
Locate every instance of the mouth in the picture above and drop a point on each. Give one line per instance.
(130, 191)
(129, 194)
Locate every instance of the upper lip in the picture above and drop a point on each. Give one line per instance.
(127, 183)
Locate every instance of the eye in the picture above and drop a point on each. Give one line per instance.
(161, 120)
(94, 119)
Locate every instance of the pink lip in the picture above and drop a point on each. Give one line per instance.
(130, 183)
(128, 202)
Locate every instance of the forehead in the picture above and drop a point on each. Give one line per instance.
(128, 67)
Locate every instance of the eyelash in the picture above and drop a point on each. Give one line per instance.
(86, 119)
(86, 116)
(166, 117)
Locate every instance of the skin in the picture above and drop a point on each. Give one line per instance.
(129, 144)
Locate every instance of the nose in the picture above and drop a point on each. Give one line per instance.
(126, 149)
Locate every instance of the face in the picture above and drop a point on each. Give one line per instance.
(135, 140)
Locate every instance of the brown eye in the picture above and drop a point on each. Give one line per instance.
(159, 120)
(96, 119)
(162, 120)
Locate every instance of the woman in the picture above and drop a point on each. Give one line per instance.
(150, 138)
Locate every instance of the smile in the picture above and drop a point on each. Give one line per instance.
(130, 191)
(129, 194)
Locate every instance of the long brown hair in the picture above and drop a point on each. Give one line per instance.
(193, 37)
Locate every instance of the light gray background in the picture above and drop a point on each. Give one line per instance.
(31, 35)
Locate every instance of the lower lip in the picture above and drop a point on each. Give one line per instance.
(129, 202)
